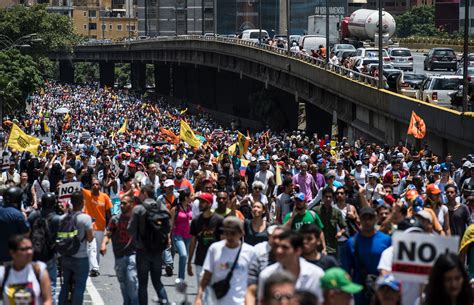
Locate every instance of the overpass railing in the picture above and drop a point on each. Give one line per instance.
(317, 62)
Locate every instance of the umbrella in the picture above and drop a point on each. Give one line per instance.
(61, 110)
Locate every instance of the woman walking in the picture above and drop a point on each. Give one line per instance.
(181, 216)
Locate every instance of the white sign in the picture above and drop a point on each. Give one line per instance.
(66, 189)
(414, 254)
(115, 168)
(4, 161)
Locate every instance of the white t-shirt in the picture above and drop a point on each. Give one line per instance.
(443, 210)
(219, 260)
(308, 279)
(264, 176)
(360, 176)
(411, 291)
(22, 285)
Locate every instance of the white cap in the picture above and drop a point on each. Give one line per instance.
(358, 162)
(168, 183)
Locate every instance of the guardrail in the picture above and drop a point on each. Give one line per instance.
(316, 62)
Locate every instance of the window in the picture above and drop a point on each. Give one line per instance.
(85, 27)
(133, 28)
(92, 26)
(85, 14)
(92, 13)
(119, 27)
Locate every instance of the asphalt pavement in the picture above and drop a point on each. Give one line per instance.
(418, 59)
(108, 288)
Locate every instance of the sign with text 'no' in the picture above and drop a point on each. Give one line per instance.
(414, 254)
(66, 189)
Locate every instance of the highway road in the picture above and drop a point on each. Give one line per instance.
(418, 59)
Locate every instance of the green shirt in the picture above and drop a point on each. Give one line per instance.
(333, 221)
(307, 218)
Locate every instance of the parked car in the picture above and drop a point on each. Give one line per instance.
(436, 89)
(312, 42)
(254, 34)
(410, 83)
(343, 47)
(401, 58)
(440, 58)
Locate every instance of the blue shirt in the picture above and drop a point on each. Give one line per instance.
(12, 222)
(369, 252)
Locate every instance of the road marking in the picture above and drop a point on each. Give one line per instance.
(94, 294)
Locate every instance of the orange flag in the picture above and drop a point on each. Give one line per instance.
(417, 126)
(173, 138)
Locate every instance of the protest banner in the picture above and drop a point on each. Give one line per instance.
(415, 253)
(65, 190)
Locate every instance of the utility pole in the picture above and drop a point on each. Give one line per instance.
(380, 82)
(327, 33)
(288, 27)
(465, 87)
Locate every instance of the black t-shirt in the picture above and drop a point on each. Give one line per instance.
(251, 237)
(325, 262)
(207, 231)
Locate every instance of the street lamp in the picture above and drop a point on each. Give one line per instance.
(380, 82)
(22, 43)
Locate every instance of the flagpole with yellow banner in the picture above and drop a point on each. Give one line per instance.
(187, 135)
(123, 129)
(20, 141)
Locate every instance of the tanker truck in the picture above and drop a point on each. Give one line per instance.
(361, 28)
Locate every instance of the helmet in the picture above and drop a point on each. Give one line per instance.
(13, 196)
(48, 200)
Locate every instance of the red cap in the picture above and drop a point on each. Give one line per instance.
(433, 189)
(389, 199)
(207, 197)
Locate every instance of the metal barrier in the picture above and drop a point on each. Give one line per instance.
(316, 62)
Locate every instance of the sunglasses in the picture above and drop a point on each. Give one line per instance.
(258, 188)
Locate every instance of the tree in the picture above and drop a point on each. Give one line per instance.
(19, 76)
(419, 21)
(86, 72)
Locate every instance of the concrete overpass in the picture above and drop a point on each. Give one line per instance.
(189, 63)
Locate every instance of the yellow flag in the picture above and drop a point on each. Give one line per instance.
(20, 141)
(183, 111)
(187, 135)
(123, 129)
(243, 143)
(46, 127)
(231, 150)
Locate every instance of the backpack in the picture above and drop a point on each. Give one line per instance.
(42, 239)
(156, 228)
(68, 242)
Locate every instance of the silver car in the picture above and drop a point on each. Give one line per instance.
(401, 58)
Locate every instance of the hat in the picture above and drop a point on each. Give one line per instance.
(253, 159)
(232, 223)
(71, 170)
(331, 173)
(411, 194)
(222, 176)
(425, 215)
(168, 183)
(373, 175)
(467, 164)
(275, 158)
(132, 164)
(367, 211)
(339, 161)
(400, 155)
(433, 189)
(206, 197)
(262, 159)
(437, 169)
(389, 281)
(358, 162)
(300, 196)
(337, 278)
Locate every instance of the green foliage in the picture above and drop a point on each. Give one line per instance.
(419, 21)
(122, 74)
(19, 75)
(54, 31)
(86, 72)
(150, 75)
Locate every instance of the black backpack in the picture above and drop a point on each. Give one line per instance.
(43, 239)
(156, 228)
(68, 242)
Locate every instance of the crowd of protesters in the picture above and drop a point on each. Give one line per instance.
(287, 218)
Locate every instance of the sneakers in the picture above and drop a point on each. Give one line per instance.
(94, 273)
(169, 270)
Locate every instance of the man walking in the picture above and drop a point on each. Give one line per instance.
(124, 251)
(98, 206)
(150, 227)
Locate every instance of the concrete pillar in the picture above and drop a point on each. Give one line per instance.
(138, 76)
(179, 81)
(162, 79)
(66, 71)
(107, 73)
(390, 131)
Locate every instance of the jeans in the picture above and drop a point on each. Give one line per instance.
(149, 263)
(341, 251)
(126, 270)
(52, 268)
(94, 255)
(182, 246)
(75, 271)
(167, 257)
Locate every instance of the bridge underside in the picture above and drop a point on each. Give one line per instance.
(204, 76)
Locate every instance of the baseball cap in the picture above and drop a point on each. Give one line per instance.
(262, 159)
(337, 278)
(389, 281)
(367, 211)
(425, 215)
(467, 164)
(206, 197)
(300, 196)
(71, 170)
(437, 169)
(358, 162)
(373, 175)
(433, 189)
(411, 194)
(168, 183)
(232, 223)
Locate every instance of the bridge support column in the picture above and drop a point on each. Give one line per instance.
(162, 79)
(107, 73)
(390, 131)
(138, 76)
(66, 71)
(179, 81)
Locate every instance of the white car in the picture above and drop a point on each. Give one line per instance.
(372, 53)
(401, 58)
(436, 88)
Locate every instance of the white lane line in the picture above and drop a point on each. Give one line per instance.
(94, 294)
